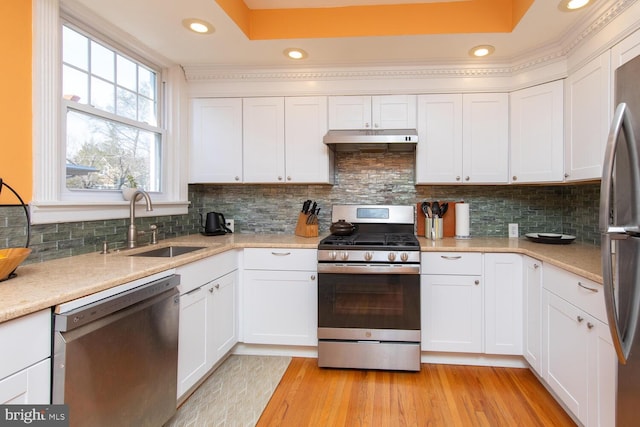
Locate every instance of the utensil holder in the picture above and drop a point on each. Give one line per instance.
(305, 230)
(434, 228)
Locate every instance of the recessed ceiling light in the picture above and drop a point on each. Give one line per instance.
(295, 53)
(571, 5)
(482, 50)
(198, 26)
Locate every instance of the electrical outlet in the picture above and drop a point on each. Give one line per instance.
(229, 224)
(513, 230)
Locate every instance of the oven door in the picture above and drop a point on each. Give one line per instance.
(383, 301)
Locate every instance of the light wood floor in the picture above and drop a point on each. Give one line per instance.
(439, 395)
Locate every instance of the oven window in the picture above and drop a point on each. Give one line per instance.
(373, 301)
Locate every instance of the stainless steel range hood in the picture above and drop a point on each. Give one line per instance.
(372, 140)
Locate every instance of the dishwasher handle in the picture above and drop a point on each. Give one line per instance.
(91, 312)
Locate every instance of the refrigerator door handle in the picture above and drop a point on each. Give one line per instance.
(621, 123)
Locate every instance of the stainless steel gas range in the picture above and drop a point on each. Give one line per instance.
(369, 290)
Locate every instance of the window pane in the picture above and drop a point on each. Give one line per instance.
(102, 61)
(146, 83)
(102, 95)
(127, 73)
(75, 49)
(147, 111)
(101, 154)
(127, 106)
(75, 83)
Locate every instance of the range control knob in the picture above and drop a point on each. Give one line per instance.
(391, 256)
(404, 256)
(333, 255)
(368, 256)
(344, 255)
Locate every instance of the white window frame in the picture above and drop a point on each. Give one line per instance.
(52, 202)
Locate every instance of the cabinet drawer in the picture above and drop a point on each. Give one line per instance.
(458, 263)
(24, 341)
(280, 259)
(583, 293)
(196, 274)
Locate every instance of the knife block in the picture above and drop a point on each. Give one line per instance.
(305, 230)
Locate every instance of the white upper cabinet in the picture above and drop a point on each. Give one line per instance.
(485, 136)
(372, 112)
(307, 158)
(588, 116)
(263, 139)
(463, 139)
(439, 148)
(537, 133)
(624, 52)
(216, 140)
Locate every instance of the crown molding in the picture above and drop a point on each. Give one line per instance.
(549, 54)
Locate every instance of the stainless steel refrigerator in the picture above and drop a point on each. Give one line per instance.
(620, 232)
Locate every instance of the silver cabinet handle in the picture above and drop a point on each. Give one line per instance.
(280, 253)
(580, 319)
(476, 282)
(590, 325)
(458, 178)
(211, 289)
(514, 178)
(536, 266)
(451, 258)
(237, 178)
(587, 288)
(466, 178)
(313, 277)
(288, 178)
(193, 291)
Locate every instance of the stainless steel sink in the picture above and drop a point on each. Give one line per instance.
(168, 251)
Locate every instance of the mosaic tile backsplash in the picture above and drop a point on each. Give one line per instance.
(372, 178)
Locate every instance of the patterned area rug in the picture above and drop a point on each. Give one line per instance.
(235, 394)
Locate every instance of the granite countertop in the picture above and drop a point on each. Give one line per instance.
(47, 284)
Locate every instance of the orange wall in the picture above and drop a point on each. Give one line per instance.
(15, 99)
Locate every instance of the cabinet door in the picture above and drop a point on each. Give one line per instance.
(566, 353)
(280, 307)
(393, 111)
(503, 303)
(350, 112)
(485, 136)
(587, 119)
(439, 148)
(192, 339)
(451, 312)
(537, 133)
(222, 316)
(215, 149)
(263, 140)
(308, 159)
(29, 386)
(532, 322)
(603, 364)
(622, 53)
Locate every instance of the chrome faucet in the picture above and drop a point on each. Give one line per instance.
(132, 237)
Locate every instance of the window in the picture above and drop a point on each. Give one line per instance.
(112, 138)
(108, 110)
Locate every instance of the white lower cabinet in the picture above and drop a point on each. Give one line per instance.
(280, 297)
(29, 386)
(25, 359)
(532, 318)
(451, 306)
(503, 303)
(579, 361)
(208, 316)
(472, 303)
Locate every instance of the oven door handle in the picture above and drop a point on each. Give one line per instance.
(369, 268)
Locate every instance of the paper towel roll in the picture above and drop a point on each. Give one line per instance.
(462, 220)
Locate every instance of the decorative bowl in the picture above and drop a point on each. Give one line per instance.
(11, 258)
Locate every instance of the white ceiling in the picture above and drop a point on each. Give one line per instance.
(157, 24)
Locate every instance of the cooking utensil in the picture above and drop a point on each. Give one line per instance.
(443, 209)
(342, 228)
(426, 209)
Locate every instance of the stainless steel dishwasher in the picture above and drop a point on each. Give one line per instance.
(115, 356)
